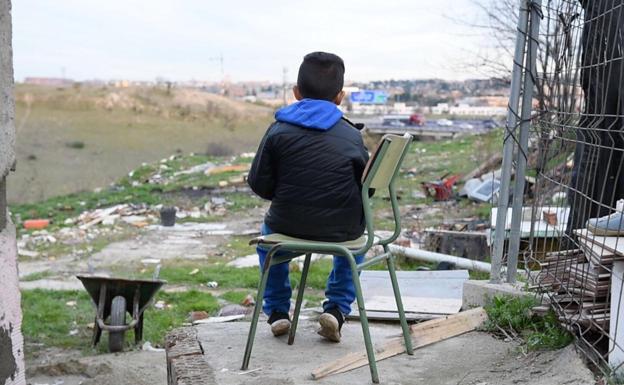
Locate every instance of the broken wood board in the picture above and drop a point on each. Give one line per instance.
(423, 334)
(491, 163)
(424, 293)
(212, 320)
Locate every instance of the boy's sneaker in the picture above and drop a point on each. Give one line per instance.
(610, 225)
(280, 323)
(331, 322)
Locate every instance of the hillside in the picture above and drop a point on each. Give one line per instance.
(78, 138)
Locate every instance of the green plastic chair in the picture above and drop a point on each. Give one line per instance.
(380, 174)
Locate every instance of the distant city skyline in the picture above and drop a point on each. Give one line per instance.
(185, 40)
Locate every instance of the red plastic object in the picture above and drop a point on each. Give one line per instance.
(441, 190)
(36, 224)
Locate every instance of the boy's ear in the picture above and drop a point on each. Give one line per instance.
(297, 94)
(339, 97)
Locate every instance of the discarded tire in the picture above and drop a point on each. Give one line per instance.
(168, 216)
(118, 318)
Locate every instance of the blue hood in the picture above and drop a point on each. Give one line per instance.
(310, 113)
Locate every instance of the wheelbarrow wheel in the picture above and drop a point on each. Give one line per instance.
(118, 318)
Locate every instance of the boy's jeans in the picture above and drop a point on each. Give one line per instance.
(340, 291)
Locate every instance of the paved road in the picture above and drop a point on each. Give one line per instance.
(375, 124)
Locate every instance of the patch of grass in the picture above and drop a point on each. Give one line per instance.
(243, 201)
(76, 145)
(236, 296)
(177, 272)
(37, 276)
(511, 316)
(48, 319)
(238, 246)
(615, 378)
(479, 275)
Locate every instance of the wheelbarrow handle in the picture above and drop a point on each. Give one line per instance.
(121, 328)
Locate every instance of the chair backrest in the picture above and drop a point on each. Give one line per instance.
(380, 173)
(386, 161)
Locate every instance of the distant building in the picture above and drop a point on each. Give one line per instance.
(468, 110)
(54, 82)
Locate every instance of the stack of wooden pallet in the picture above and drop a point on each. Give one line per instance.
(600, 250)
(581, 278)
(555, 272)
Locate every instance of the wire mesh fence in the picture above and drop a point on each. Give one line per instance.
(571, 231)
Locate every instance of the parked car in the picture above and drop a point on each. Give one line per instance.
(466, 126)
(444, 122)
(490, 124)
(396, 123)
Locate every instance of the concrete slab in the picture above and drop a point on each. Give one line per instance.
(274, 362)
(469, 359)
(480, 292)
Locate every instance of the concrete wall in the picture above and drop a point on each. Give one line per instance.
(7, 109)
(11, 342)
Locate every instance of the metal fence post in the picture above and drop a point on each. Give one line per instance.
(525, 122)
(508, 143)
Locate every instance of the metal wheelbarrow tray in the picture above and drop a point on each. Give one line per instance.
(114, 297)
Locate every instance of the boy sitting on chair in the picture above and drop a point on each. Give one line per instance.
(309, 165)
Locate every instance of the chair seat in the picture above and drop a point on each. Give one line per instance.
(275, 238)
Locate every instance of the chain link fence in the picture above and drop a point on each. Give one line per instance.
(565, 225)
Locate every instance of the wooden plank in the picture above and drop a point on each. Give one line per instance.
(612, 244)
(423, 334)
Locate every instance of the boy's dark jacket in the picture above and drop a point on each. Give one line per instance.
(310, 164)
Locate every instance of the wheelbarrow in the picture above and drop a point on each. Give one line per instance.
(114, 297)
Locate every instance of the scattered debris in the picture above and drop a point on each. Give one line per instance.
(197, 315)
(228, 168)
(466, 244)
(200, 168)
(550, 217)
(194, 271)
(440, 190)
(36, 224)
(234, 309)
(250, 260)
(486, 191)
(27, 253)
(249, 300)
(147, 346)
(212, 284)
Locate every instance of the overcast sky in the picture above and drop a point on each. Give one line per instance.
(181, 40)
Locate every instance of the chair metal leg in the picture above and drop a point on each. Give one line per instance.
(370, 351)
(257, 308)
(399, 303)
(295, 320)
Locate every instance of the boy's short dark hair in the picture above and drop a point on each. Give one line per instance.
(321, 76)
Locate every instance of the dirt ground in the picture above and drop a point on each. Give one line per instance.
(62, 367)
